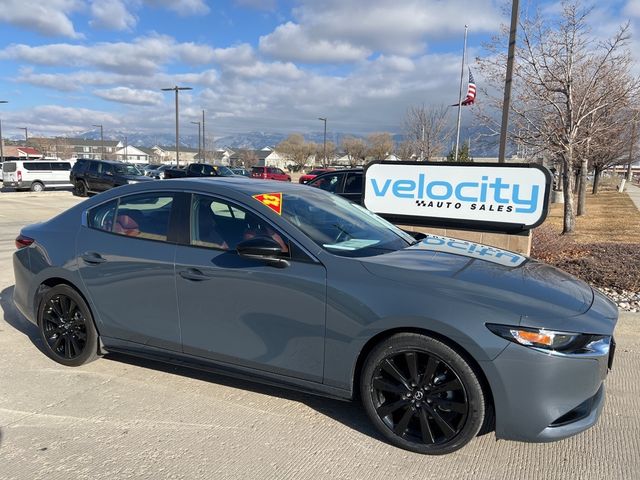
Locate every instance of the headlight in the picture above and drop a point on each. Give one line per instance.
(563, 342)
(131, 182)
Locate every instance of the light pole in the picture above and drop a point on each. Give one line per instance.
(324, 144)
(2, 139)
(26, 134)
(199, 140)
(203, 139)
(101, 141)
(177, 89)
(506, 103)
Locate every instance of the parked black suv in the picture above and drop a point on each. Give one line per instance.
(93, 176)
(347, 183)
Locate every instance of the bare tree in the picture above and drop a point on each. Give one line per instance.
(355, 148)
(428, 130)
(560, 84)
(330, 151)
(295, 149)
(404, 150)
(248, 158)
(380, 145)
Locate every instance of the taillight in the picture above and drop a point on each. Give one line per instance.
(23, 241)
(19, 176)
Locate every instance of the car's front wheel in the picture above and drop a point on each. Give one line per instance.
(81, 188)
(67, 328)
(421, 394)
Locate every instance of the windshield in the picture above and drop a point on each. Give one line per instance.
(341, 227)
(224, 171)
(127, 170)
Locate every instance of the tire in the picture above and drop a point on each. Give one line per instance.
(81, 188)
(422, 395)
(66, 327)
(37, 187)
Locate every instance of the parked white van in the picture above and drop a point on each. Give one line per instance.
(36, 175)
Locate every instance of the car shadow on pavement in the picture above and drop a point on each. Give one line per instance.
(14, 318)
(350, 414)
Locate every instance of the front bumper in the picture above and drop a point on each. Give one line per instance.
(542, 397)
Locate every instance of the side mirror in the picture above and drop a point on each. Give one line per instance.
(262, 248)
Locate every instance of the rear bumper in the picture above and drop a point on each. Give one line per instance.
(23, 293)
(17, 184)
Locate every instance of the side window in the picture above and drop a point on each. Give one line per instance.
(106, 168)
(353, 183)
(101, 217)
(329, 183)
(219, 224)
(94, 167)
(60, 166)
(144, 216)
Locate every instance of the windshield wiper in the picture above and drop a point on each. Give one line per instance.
(342, 230)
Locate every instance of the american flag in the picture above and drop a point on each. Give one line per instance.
(471, 92)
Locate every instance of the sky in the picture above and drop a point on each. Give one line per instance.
(254, 65)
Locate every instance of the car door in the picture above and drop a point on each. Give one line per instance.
(126, 261)
(352, 187)
(244, 311)
(92, 176)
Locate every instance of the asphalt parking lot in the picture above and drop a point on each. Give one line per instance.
(125, 418)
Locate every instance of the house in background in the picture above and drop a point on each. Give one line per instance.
(265, 157)
(132, 155)
(15, 152)
(167, 154)
(83, 148)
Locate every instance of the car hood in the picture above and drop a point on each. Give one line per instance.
(486, 275)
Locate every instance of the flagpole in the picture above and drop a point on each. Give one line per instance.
(464, 53)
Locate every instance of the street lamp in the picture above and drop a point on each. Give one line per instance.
(199, 140)
(324, 148)
(101, 141)
(1, 139)
(177, 89)
(26, 134)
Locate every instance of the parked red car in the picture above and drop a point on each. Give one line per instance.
(269, 173)
(314, 173)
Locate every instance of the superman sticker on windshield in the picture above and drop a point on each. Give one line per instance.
(271, 200)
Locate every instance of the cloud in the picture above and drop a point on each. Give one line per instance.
(290, 41)
(54, 119)
(130, 96)
(181, 7)
(268, 5)
(111, 15)
(353, 29)
(142, 56)
(49, 18)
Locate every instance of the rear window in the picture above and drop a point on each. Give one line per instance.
(9, 167)
(257, 170)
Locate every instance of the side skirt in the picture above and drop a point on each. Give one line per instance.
(112, 345)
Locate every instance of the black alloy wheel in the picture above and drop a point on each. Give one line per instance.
(81, 189)
(422, 395)
(67, 328)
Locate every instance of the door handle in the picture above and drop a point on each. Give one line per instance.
(194, 274)
(93, 258)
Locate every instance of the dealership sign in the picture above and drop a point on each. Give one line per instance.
(505, 197)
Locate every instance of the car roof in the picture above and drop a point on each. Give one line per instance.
(237, 184)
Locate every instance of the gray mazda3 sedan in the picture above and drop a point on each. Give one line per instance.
(289, 285)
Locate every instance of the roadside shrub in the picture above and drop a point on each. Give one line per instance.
(612, 265)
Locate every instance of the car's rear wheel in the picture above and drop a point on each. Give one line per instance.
(37, 187)
(421, 394)
(67, 328)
